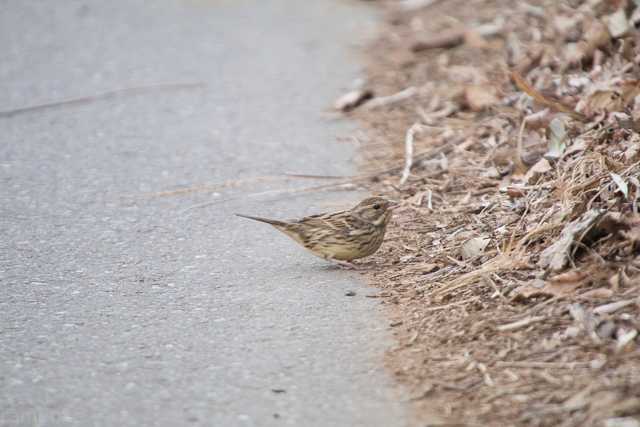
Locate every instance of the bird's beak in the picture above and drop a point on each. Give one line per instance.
(393, 204)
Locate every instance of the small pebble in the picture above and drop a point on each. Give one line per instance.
(350, 294)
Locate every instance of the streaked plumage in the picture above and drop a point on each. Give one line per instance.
(343, 236)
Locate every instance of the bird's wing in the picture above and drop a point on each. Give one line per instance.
(331, 221)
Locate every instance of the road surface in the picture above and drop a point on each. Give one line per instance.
(126, 299)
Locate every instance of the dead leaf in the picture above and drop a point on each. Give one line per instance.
(598, 293)
(612, 223)
(596, 36)
(429, 268)
(584, 319)
(474, 247)
(602, 100)
(479, 97)
(557, 136)
(617, 23)
(622, 185)
(515, 192)
(615, 97)
(543, 166)
(620, 279)
(413, 5)
(631, 153)
(560, 285)
(569, 277)
(475, 40)
(556, 256)
(625, 338)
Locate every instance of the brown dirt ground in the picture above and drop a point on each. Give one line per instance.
(512, 267)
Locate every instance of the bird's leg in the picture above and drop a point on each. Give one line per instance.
(347, 265)
(344, 264)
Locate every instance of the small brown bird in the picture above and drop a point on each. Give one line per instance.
(340, 236)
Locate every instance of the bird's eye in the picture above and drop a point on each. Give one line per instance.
(376, 206)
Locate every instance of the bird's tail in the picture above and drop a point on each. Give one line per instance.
(275, 223)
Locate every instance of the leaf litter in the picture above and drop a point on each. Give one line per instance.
(509, 130)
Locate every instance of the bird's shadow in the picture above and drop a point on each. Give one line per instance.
(359, 267)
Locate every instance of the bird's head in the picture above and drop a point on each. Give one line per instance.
(376, 210)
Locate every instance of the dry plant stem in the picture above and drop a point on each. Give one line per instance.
(526, 357)
(408, 150)
(519, 146)
(310, 176)
(397, 97)
(520, 323)
(448, 39)
(220, 186)
(455, 37)
(524, 86)
(614, 306)
(542, 365)
(329, 187)
(104, 95)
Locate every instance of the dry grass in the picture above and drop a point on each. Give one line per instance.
(513, 265)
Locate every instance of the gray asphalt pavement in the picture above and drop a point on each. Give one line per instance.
(123, 303)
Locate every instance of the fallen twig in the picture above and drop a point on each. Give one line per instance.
(520, 323)
(455, 37)
(542, 365)
(525, 87)
(614, 306)
(382, 101)
(104, 95)
(408, 151)
(294, 191)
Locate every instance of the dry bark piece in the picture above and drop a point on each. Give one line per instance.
(353, 99)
